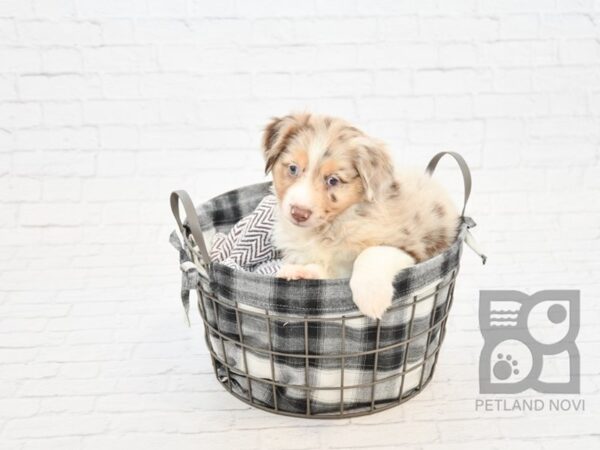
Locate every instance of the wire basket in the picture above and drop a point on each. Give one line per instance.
(301, 348)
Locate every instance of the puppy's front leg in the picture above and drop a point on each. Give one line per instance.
(301, 271)
(372, 275)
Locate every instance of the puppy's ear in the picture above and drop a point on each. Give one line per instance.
(277, 135)
(374, 166)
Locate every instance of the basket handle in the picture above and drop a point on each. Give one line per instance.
(192, 220)
(464, 168)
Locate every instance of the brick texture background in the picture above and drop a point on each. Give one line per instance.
(108, 105)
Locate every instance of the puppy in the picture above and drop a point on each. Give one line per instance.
(343, 211)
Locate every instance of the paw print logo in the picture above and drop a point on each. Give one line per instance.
(511, 362)
(522, 331)
(505, 367)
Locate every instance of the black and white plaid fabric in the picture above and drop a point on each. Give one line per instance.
(302, 347)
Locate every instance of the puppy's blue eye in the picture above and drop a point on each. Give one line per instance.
(293, 168)
(332, 181)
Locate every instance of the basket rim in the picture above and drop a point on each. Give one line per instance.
(335, 296)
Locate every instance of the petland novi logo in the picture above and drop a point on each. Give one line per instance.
(529, 343)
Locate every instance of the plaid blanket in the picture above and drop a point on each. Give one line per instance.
(302, 346)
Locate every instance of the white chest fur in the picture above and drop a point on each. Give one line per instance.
(309, 246)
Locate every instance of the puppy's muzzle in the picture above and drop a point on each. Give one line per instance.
(300, 214)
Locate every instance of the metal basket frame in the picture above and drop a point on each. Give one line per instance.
(440, 325)
(195, 246)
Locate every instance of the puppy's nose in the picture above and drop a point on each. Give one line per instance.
(300, 214)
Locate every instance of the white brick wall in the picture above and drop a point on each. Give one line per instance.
(108, 105)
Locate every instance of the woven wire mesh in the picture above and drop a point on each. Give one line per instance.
(293, 366)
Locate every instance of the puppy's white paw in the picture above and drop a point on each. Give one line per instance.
(301, 272)
(372, 276)
(371, 296)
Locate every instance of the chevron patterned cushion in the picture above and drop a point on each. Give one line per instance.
(248, 244)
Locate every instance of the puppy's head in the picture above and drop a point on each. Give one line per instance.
(322, 166)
